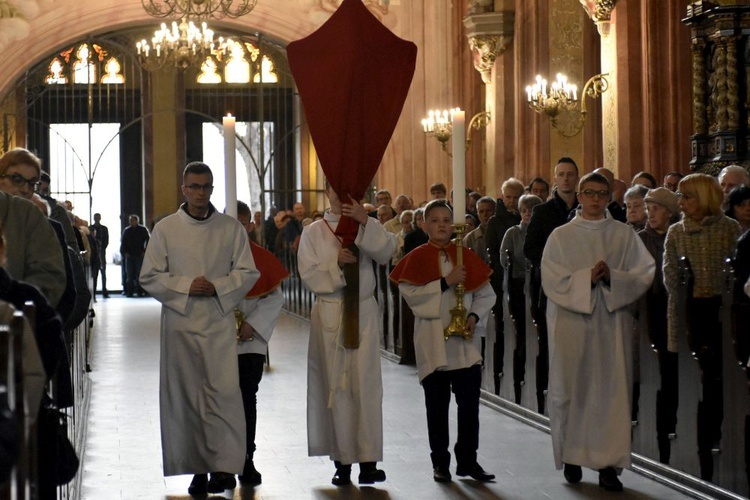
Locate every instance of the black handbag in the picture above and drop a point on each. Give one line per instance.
(58, 460)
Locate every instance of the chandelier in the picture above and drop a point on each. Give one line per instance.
(182, 45)
(189, 41)
(198, 9)
(563, 96)
(439, 124)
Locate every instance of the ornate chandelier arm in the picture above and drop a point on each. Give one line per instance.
(595, 86)
(198, 9)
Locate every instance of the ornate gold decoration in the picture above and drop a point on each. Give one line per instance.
(720, 89)
(198, 9)
(733, 86)
(700, 123)
(457, 326)
(485, 49)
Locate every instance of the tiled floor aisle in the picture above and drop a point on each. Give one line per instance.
(123, 452)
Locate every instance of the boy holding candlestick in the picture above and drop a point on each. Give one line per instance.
(427, 278)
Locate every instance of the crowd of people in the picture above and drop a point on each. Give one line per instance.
(40, 261)
(599, 255)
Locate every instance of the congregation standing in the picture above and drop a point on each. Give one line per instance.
(595, 249)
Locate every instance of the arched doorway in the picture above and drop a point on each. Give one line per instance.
(93, 113)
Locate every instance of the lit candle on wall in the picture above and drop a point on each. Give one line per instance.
(230, 170)
(459, 167)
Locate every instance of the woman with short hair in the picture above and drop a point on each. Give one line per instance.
(705, 236)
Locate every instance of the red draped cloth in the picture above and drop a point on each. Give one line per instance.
(422, 265)
(353, 75)
(272, 272)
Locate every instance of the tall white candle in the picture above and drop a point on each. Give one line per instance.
(459, 167)
(230, 170)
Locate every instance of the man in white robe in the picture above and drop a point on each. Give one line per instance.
(427, 277)
(199, 266)
(593, 268)
(344, 386)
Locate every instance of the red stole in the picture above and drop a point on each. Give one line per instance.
(422, 265)
(272, 272)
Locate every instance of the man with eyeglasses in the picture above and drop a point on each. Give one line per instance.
(199, 265)
(544, 219)
(593, 269)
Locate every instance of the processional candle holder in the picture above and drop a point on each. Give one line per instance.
(239, 318)
(457, 326)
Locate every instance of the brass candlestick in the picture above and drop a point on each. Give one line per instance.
(457, 326)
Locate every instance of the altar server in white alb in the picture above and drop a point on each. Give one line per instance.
(344, 386)
(427, 278)
(199, 266)
(593, 269)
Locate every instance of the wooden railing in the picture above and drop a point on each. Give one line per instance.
(519, 384)
(23, 483)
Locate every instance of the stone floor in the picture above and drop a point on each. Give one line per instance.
(122, 458)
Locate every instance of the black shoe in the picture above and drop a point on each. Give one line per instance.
(608, 479)
(105, 295)
(475, 472)
(221, 481)
(250, 476)
(371, 476)
(343, 475)
(441, 474)
(198, 485)
(573, 473)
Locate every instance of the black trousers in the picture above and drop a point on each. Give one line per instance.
(704, 330)
(465, 384)
(251, 371)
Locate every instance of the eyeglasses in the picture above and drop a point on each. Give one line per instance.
(684, 195)
(201, 187)
(590, 193)
(19, 180)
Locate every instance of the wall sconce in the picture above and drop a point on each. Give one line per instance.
(439, 124)
(562, 95)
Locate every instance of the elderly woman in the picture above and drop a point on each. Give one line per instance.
(34, 255)
(513, 259)
(705, 236)
(635, 207)
(661, 207)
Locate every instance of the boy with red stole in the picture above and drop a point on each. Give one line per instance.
(427, 278)
(256, 318)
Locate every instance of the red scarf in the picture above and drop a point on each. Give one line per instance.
(272, 272)
(422, 265)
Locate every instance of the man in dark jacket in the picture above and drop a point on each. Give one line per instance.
(506, 216)
(102, 238)
(544, 219)
(133, 247)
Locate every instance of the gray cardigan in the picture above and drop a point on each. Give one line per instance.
(33, 251)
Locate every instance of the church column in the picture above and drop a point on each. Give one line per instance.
(165, 167)
(490, 34)
(600, 11)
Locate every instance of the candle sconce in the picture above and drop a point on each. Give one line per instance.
(439, 124)
(563, 96)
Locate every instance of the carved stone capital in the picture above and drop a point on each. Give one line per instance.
(600, 11)
(485, 49)
(489, 35)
